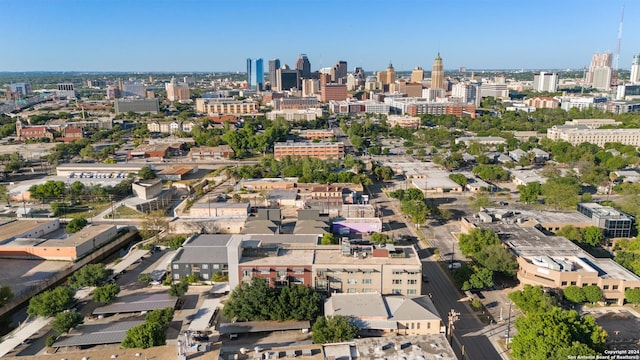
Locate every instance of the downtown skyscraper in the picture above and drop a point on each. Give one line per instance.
(303, 66)
(274, 64)
(437, 73)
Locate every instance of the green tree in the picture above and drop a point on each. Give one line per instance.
(561, 192)
(76, 224)
(250, 301)
(570, 232)
(632, 295)
(51, 302)
(66, 321)
(593, 236)
(50, 340)
(490, 172)
(379, 238)
(106, 294)
(593, 293)
(297, 302)
(544, 335)
(160, 316)
(144, 278)
(459, 179)
(574, 294)
(180, 288)
(529, 192)
(145, 336)
(146, 173)
(476, 240)
(532, 299)
(333, 329)
(481, 201)
(481, 279)
(176, 242)
(496, 258)
(6, 295)
(89, 275)
(328, 239)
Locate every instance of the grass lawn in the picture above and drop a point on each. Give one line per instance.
(84, 210)
(124, 212)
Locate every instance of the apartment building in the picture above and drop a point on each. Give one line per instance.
(319, 150)
(320, 134)
(295, 103)
(577, 134)
(366, 268)
(403, 121)
(542, 102)
(226, 106)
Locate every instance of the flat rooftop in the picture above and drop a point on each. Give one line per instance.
(12, 229)
(80, 237)
(138, 303)
(97, 334)
(544, 217)
(418, 347)
(286, 257)
(530, 243)
(332, 257)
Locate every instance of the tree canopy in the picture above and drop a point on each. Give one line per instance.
(543, 335)
(89, 275)
(66, 321)
(6, 295)
(532, 299)
(476, 240)
(257, 301)
(145, 336)
(146, 173)
(106, 294)
(76, 224)
(333, 329)
(561, 192)
(529, 192)
(51, 302)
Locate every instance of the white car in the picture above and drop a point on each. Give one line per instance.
(455, 265)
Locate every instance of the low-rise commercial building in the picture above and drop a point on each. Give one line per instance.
(137, 106)
(614, 223)
(319, 150)
(555, 262)
(212, 106)
(578, 134)
(211, 152)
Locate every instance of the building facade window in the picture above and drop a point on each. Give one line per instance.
(412, 281)
(205, 266)
(366, 281)
(352, 281)
(176, 266)
(412, 292)
(396, 281)
(396, 291)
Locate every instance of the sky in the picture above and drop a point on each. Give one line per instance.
(219, 35)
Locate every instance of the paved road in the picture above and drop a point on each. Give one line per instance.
(468, 330)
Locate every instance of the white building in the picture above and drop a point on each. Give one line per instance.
(497, 91)
(66, 90)
(635, 70)
(581, 103)
(545, 81)
(576, 135)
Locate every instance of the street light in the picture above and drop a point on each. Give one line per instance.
(508, 324)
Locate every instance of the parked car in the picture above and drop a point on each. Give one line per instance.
(455, 265)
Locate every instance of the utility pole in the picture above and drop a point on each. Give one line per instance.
(508, 324)
(453, 317)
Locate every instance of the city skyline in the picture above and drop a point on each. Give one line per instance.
(219, 36)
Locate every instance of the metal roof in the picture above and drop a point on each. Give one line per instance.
(261, 326)
(128, 261)
(98, 334)
(138, 302)
(202, 318)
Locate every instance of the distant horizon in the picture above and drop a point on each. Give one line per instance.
(131, 36)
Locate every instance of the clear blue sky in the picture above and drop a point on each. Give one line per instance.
(218, 35)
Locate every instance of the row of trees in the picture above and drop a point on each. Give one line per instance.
(256, 301)
(412, 203)
(548, 332)
(483, 246)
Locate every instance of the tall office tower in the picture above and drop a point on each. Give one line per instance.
(359, 73)
(274, 64)
(134, 89)
(391, 74)
(250, 75)
(339, 72)
(417, 75)
(437, 73)
(177, 91)
(23, 89)
(287, 78)
(259, 80)
(303, 66)
(635, 70)
(601, 68)
(545, 81)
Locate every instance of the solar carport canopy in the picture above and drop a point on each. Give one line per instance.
(138, 303)
(98, 334)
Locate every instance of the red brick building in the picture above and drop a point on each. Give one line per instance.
(333, 92)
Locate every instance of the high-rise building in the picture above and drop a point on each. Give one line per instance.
(287, 78)
(250, 76)
(177, 91)
(339, 72)
(303, 66)
(274, 64)
(600, 72)
(134, 89)
(635, 70)
(336, 92)
(391, 74)
(23, 89)
(545, 81)
(66, 90)
(437, 73)
(259, 81)
(417, 75)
